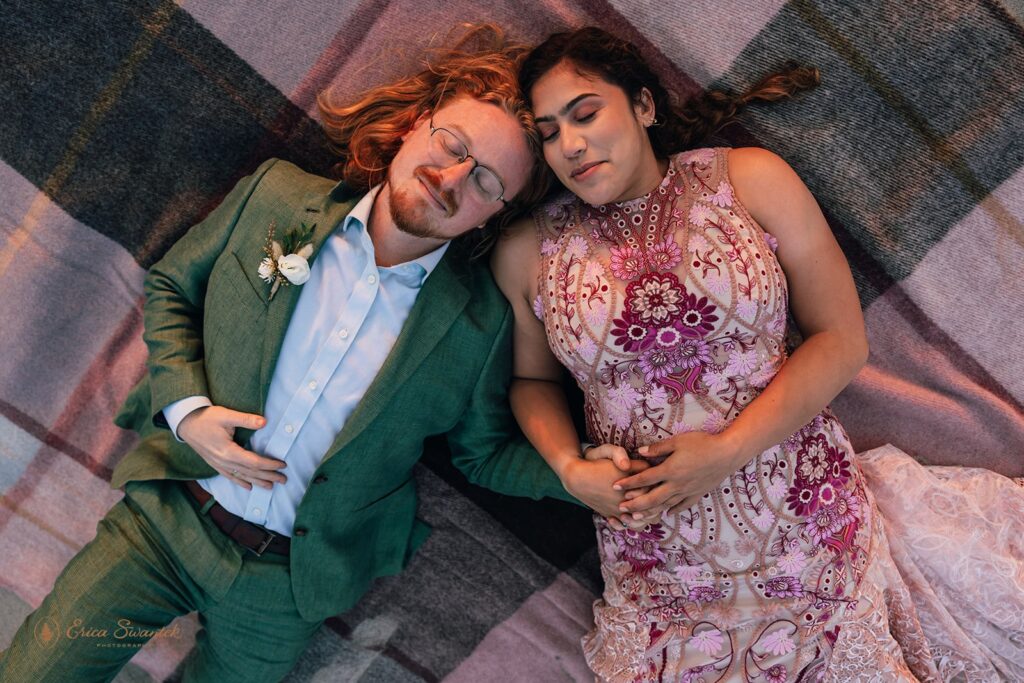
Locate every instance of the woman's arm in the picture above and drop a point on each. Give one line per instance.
(536, 394)
(824, 304)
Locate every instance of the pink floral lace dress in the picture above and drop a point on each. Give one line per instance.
(670, 311)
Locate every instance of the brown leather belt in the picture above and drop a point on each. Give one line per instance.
(250, 536)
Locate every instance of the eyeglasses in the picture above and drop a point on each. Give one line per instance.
(448, 150)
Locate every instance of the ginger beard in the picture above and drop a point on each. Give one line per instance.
(410, 210)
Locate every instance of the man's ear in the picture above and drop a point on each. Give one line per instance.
(420, 120)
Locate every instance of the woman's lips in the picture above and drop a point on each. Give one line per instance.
(585, 171)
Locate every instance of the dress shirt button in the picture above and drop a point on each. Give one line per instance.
(320, 478)
(343, 334)
(289, 429)
(312, 385)
(371, 279)
(257, 511)
(300, 531)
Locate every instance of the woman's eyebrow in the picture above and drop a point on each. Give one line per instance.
(565, 110)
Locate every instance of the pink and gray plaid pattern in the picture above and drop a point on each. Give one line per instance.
(123, 123)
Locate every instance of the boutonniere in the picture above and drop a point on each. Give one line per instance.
(287, 262)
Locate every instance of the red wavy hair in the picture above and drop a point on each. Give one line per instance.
(481, 64)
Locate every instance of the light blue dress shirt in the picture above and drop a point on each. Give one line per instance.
(347, 319)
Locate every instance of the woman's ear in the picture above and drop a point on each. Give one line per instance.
(643, 107)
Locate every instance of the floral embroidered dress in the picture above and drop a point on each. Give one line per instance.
(670, 311)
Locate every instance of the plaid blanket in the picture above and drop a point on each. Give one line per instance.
(123, 122)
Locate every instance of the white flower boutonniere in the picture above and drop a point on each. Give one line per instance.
(287, 262)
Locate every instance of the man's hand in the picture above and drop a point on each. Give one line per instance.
(209, 432)
(590, 481)
(697, 462)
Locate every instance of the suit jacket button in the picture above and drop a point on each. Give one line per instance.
(320, 478)
(300, 531)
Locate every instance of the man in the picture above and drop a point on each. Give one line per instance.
(297, 408)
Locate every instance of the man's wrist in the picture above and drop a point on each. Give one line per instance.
(176, 413)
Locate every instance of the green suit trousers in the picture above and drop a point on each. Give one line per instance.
(128, 584)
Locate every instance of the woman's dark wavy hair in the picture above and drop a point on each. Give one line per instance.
(596, 53)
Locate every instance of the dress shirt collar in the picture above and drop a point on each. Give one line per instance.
(411, 273)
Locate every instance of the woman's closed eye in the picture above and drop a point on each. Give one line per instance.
(549, 133)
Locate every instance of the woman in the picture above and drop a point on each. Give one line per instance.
(663, 284)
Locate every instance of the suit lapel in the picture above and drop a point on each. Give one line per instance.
(438, 305)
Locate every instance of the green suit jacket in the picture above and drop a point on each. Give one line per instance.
(212, 330)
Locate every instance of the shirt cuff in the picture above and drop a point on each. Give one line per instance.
(177, 411)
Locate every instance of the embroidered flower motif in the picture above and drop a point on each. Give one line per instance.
(587, 350)
(814, 460)
(698, 242)
(630, 336)
(655, 396)
(595, 314)
(593, 270)
(286, 262)
(714, 423)
(717, 284)
(763, 375)
(793, 562)
(624, 395)
(822, 524)
(538, 308)
(668, 337)
(778, 642)
(697, 315)
(691, 534)
(655, 298)
(776, 489)
(709, 642)
(746, 309)
(802, 500)
(701, 157)
(723, 196)
(685, 573)
(776, 673)
(741, 363)
(704, 593)
(577, 247)
(665, 254)
(764, 519)
(627, 263)
(783, 587)
(772, 243)
(695, 354)
(640, 548)
(701, 214)
(695, 674)
(656, 363)
(548, 247)
(715, 381)
(832, 521)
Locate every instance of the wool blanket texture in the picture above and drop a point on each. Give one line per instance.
(122, 123)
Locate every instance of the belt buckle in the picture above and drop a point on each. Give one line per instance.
(264, 544)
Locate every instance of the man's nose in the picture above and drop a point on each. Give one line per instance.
(457, 173)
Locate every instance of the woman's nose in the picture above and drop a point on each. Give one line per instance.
(573, 143)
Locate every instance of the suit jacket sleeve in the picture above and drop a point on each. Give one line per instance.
(175, 291)
(486, 444)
